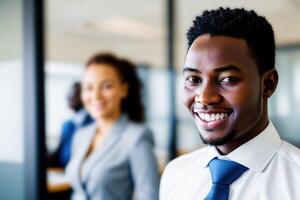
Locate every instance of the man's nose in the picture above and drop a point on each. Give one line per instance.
(208, 94)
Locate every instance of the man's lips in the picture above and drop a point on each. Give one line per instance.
(212, 121)
(212, 118)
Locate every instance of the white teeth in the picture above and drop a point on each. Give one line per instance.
(222, 115)
(217, 116)
(212, 117)
(202, 115)
(207, 117)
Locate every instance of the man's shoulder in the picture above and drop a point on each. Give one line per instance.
(290, 153)
(68, 122)
(186, 161)
(177, 171)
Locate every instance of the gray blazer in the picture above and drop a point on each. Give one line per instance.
(123, 165)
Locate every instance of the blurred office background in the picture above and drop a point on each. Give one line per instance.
(145, 32)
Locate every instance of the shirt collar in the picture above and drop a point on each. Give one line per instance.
(254, 154)
(79, 117)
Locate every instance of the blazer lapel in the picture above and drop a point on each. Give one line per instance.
(108, 142)
(81, 152)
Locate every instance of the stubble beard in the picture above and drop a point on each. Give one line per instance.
(233, 134)
(219, 141)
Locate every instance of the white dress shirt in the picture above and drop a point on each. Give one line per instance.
(274, 171)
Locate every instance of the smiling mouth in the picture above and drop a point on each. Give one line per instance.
(210, 117)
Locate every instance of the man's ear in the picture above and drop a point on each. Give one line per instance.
(270, 80)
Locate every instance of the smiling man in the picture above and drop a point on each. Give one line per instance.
(229, 76)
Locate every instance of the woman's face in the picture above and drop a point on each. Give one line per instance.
(103, 91)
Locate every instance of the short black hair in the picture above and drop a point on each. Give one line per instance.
(74, 97)
(239, 23)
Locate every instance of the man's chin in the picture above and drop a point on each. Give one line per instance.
(218, 141)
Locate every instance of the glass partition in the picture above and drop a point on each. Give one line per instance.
(284, 105)
(11, 103)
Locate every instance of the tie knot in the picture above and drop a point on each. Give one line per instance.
(225, 172)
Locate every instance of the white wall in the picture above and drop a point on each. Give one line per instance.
(11, 108)
(59, 78)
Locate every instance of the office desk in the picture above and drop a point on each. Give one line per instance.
(56, 181)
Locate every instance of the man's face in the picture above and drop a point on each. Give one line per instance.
(223, 91)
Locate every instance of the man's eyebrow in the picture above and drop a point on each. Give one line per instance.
(228, 68)
(190, 69)
(219, 69)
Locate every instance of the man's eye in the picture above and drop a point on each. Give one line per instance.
(193, 79)
(230, 79)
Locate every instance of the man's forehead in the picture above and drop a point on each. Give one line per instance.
(218, 51)
(208, 38)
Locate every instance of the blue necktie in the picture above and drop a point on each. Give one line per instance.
(223, 173)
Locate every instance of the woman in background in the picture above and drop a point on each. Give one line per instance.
(113, 158)
(80, 118)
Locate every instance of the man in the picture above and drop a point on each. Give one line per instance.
(80, 119)
(229, 75)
